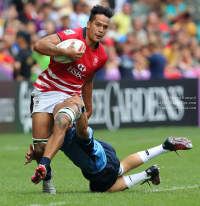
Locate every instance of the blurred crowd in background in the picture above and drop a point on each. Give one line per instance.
(146, 38)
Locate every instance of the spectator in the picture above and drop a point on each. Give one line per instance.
(42, 63)
(171, 54)
(145, 51)
(112, 4)
(140, 10)
(31, 27)
(193, 46)
(29, 13)
(126, 63)
(41, 18)
(197, 58)
(49, 29)
(140, 71)
(185, 24)
(112, 64)
(152, 28)
(123, 19)
(65, 19)
(119, 5)
(61, 4)
(112, 31)
(105, 3)
(7, 51)
(24, 60)
(11, 13)
(132, 43)
(175, 11)
(8, 44)
(183, 38)
(196, 62)
(139, 32)
(92, 3)
(78, 18)
(85, 8)
(157, 61)
(34, 39)
(185, 63)
(163, 28)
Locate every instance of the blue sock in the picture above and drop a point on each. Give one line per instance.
(46, 162)
(49, 173)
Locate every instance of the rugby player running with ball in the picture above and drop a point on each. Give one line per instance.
(59, 81)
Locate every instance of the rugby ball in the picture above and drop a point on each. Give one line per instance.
(78, 46)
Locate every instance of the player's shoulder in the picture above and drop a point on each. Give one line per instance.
(102, 51)
(72, 32)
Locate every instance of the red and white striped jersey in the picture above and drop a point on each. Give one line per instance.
(69, 77)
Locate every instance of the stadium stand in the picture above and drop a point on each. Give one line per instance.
(167, 24)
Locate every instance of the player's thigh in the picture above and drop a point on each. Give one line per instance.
(42, 125)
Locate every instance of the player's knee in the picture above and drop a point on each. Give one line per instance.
(62, 121)
(64, 117)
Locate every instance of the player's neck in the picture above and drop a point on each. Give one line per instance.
(90, 43)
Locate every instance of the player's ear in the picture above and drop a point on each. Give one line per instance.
(88, 24)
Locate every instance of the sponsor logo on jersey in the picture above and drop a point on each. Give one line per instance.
(96, 59)
(69, 31)
(76, 72)
(81, 67)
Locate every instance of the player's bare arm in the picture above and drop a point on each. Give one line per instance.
(87, 94)
(47, 46)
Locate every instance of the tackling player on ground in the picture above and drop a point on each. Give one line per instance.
(98, 160)
(60, 81)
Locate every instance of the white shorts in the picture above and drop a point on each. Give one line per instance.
(45, 102)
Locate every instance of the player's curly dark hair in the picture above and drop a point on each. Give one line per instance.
(100, 10)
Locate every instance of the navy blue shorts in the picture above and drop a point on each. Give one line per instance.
(105, 179)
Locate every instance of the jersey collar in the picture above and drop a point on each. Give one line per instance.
(84, 36)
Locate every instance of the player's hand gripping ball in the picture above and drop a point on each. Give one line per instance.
(79, 46)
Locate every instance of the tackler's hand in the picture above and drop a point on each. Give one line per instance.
(75, 99)
(29, 155)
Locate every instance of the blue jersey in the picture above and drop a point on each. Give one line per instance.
(88, 155)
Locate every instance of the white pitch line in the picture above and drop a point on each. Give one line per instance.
(154, 190)
(11, 148)
(173, 188)
(49, 204)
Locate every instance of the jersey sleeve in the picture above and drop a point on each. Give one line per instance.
(69, 34)
(103, 57)
(102, 62)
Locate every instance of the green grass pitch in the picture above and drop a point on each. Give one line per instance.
(180, 176)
